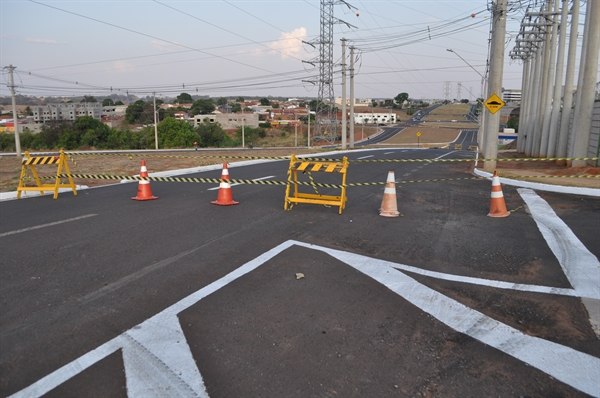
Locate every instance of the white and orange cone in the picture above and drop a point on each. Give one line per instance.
(144, 190)
(497, 205)
(389, 206)
(225, 198)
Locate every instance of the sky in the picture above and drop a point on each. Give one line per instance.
(247, 47)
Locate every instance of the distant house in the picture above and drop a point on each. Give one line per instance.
(229, 121)
(181, 115)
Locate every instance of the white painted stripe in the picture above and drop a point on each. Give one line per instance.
(75, 367)
(391, 191)
(388, 153)
(233, 185)
(579, 265)
(160, 334)
(365, 157)
(158, 360)
(144, 182)
(18, 231)
(572, 367)
(496, 195)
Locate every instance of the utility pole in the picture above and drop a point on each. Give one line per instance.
(351, 97)
(558, 79)
(14, 110)
(589, 69)
(563, 135)
(492, 124)
(155, 126)
(344, 132)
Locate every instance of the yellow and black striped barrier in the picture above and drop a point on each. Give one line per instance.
(29, 162)
(295, 182)
(317, 159)
(308, 166)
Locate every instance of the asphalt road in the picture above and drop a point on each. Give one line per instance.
(105, 296)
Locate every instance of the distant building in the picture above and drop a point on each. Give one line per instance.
(229, 121)
(374, 118)
(357, 101)
(510, 95)
(71, 111)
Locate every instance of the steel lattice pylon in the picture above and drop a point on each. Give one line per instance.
(326, 127)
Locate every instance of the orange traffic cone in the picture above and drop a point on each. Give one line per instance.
(389, 207)
(224, 198)
(497, 205)
(144, 190)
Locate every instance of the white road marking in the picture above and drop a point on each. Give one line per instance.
(580, 266)
(158, 359)
(387, 153)
(18, 231)
(365, 157)
(233, 185)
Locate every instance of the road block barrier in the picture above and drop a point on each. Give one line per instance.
(458, 147)
(29, 162)
(307, 166)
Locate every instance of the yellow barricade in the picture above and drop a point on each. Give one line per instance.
(297, 165)
(457, 147)
(31, 162)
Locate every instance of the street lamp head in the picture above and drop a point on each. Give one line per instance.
(449, 49)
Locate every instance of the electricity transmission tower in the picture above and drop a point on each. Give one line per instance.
(447, 91)
(326, 112)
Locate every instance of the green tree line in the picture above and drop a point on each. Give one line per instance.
(87, 133)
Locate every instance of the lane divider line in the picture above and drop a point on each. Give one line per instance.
(18, 231)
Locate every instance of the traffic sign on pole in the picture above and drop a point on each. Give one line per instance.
(494, 103)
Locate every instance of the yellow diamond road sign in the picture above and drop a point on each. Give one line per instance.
(494, 103)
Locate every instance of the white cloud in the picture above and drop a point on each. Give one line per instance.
(289, 44)
(164, 46)
(40, 41)
(123, 66)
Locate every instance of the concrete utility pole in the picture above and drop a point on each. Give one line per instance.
(155, 126)
(351, 97)
(560, 63)
(588, 87)
(14, 110)
(344, 132)
(547, 110)
(492, 125)
(539, 130)
(563, 137)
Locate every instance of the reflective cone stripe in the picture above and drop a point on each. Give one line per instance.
(497, 204)
(144, 190)
(389, 207)
(224, 198)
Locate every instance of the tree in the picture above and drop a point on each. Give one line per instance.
(28, 111)
(184, 98)
(202, 107)
(211, 135)
(173, 133)
(140, 112)
(107, 102)
(265, 102)
(119, 103)
(239, 99)
(400, 98)
(236, 107)
(275, 105)
(222, 101)
(513, 123)
(88, 98)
